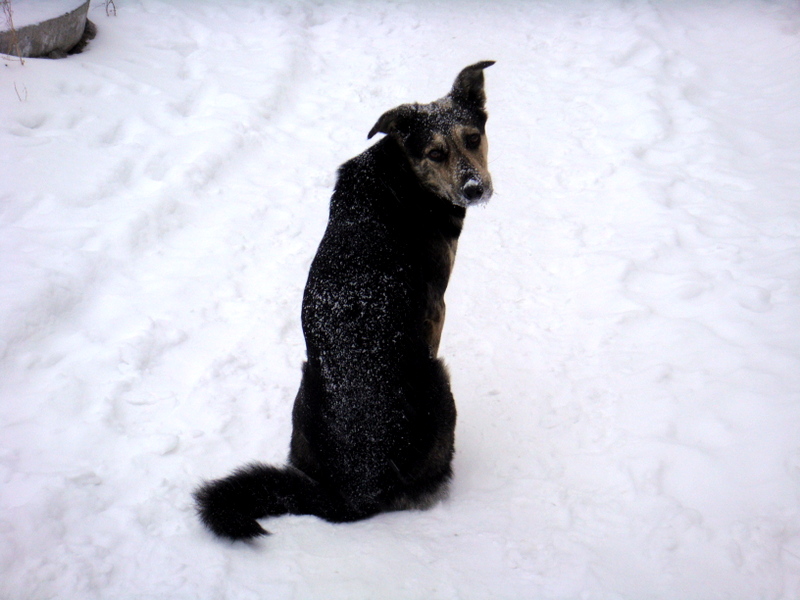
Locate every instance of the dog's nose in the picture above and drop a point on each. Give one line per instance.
(472, 190)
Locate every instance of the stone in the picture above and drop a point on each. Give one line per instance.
(52, 38)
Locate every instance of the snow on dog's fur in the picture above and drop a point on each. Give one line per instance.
(374, 419)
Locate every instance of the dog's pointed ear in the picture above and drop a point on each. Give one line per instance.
(391, 120)
(468, 87)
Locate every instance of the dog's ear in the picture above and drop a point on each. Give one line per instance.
(468, 87)
(392, 120)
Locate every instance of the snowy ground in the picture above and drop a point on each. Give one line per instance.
(622, 323)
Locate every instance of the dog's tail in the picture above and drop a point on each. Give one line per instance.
(229, 507)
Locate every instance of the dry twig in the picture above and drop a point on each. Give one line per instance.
(22, 97)
(9, 14)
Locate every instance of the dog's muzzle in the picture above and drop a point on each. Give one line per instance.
(475, 191)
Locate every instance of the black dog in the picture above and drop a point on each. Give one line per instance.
(374, 419)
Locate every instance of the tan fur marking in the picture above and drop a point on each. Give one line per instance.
(435, 309)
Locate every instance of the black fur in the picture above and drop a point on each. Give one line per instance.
(374, 419)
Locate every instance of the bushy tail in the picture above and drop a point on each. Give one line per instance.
(229, 507)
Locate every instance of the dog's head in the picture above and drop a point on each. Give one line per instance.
(445, 141)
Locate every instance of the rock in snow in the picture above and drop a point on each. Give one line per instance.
(50, 28)
(622, 320)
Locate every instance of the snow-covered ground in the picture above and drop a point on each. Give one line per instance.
(623, 325)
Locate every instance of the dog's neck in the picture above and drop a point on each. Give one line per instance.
(394, 166)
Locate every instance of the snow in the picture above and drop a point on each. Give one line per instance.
(622, 328)
(30, 12)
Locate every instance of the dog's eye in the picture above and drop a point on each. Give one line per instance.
(472, 141)
(437, 155)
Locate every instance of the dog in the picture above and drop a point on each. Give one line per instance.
(374, 418)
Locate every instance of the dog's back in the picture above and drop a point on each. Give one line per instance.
(374, 419)
(384, 396)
